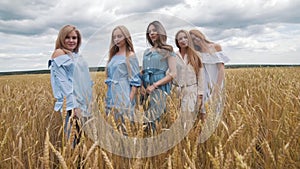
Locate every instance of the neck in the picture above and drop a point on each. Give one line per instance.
(183, 52)
(122, 50)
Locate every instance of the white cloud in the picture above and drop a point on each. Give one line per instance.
(249, 31)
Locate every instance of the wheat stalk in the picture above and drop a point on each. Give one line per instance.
(175, 158)
(240, 160)
(215, 163)
(20, 147)
(46, 152)
(90, 151)
(128, 127)
(227, 161)
(106, 159)
(291, 138)
(170, 162)
(73, 132)
(95, 164)
(269, 151)
(137, 164)
(58, 155)
(191, 164)
(249, 148)
(221, 153)
(234, 134)
(3, 142)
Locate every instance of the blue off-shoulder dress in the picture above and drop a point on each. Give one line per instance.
(122, 74)
(155, 67)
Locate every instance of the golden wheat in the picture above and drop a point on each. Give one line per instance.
(259, 128)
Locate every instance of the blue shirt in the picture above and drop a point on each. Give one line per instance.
(63, 79)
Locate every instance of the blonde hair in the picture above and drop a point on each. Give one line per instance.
(193, 56)
(63, 33)
(200, 35)
(114, 49)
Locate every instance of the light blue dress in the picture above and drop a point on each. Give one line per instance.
(155, 67)
(122, 74)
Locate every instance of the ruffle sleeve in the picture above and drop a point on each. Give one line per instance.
(216, 57)
(134, 77)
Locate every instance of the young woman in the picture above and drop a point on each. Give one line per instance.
(70, 76)
(213, 61)
(122, 75)
(189, 81)
(159, 68)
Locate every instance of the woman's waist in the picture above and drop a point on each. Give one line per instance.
(184, 84)
(117, 80)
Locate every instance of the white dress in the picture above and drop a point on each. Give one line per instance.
(186, 85)
(213, 101)
(211, 71)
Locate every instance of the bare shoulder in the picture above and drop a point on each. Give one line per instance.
(131, 53)
(218, 47)
(57, 52)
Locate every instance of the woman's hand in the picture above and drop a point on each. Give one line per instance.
(132, 93)
(77, 113)
(151, 88)
(142, 90)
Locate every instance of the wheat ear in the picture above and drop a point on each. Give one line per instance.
(106, 159)
(59, 156)
(191, 164)
(46, 152)
(234, 134)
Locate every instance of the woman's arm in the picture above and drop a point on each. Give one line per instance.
(169, 76)
(221, 74)
(133, 92)
(134, 71)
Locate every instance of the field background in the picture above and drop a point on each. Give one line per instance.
(260, 127)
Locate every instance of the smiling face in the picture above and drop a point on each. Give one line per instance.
(195, 38)
(182, 40)
(71, 41)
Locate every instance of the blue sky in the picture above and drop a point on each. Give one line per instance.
(250, 31)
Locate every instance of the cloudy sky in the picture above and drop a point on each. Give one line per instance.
(250, 31)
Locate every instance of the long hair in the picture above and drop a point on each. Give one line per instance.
(200, 35)
(63, 33)
(161, 41)
(128, 42)
(114, 48)
(192, 56)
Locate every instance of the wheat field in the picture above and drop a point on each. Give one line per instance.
(260, 127)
